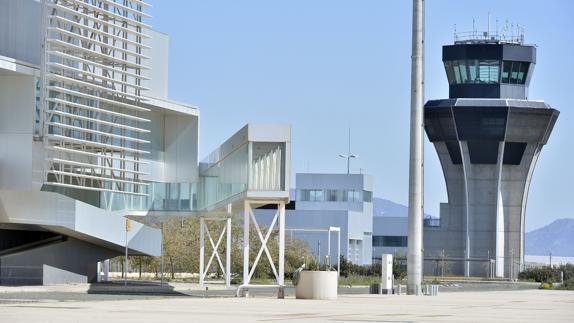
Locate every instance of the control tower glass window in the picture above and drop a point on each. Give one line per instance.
(473, 71)
(514, 72)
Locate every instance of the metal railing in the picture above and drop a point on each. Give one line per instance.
(475, 36)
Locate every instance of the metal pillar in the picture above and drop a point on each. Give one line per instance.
(106, 270)
(339, 251)
(281, 278)
(99, 272)
(246, 211)
(201, 250)
(228, 254)
(338, 230)
(162, 267)
(329, 249)
(414, 257)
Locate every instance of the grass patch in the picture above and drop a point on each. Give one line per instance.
(356, 280)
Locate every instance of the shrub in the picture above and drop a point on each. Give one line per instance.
(349, 269)
(568, 284)
(548, 274)
(538, 274)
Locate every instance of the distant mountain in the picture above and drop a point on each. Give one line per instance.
(557, 237)
(388, 208)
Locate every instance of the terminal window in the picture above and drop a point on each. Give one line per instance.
(390, 241)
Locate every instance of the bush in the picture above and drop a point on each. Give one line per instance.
(568, 284)
(538, 274)
(548, 274)
(348, 269)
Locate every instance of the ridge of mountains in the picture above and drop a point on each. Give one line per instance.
(556, 237)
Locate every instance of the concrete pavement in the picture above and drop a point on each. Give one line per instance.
(507, 306)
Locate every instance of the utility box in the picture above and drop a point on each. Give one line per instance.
(387, 274)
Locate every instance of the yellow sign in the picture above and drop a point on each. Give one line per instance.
(128, 225)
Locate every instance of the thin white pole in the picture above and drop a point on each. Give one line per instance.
(126, 260)
(414, 259)
(162, 262)
(201, 250)
(339, 252)
(281, 278)
(106, 270)
(246, 210)
(329, 246)
(349, 152)
(228, 255)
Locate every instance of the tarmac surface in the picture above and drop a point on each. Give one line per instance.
(74, 304)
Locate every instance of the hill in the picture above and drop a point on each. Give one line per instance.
(388, 208)
(556, 237)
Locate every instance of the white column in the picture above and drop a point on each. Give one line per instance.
(329, 246)
(246, 209)
(500, 254)
(281, 274)
(98, 271)
(228, 255)
(339, 252)
(106, 270)
(281, 243)
(201, 250)
(414, 255)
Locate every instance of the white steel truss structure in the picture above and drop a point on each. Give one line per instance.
(248, 270)
(226, 231)
(94, 126)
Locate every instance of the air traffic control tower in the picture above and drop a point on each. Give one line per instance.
(488, 136)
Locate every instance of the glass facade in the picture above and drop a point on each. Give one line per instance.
(222, 176)
(390, 241)
(473, 71)
(480, 123)
(225, 177)
(267, 168)
(334, 195)
(514, 72)
(483, 151)
(181, 197)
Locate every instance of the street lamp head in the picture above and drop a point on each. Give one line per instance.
(343, 156)
(353, 156)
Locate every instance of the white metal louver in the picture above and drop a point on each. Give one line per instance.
(95, 128)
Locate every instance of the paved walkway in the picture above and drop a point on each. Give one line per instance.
(507, 306)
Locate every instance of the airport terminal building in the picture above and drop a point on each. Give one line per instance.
(88, 138)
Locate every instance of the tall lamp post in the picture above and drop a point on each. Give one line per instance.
(414, 254)
(348, 156)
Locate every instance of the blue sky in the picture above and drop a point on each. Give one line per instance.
(326, 65)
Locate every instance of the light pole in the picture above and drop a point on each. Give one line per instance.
(414, 255)
(348, 156)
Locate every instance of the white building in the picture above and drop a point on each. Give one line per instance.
(89, 137)
(332, 200)
(390, 236)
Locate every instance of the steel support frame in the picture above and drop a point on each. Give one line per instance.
(279, 221)
(225, 231)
